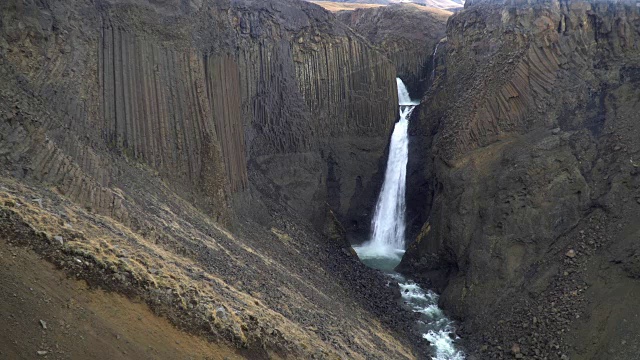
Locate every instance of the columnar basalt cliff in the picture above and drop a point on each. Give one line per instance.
(177, 152)
(321, 103)
(407, 33)
(326, 88)
(530, 211)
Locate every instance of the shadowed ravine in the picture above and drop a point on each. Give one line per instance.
(386, 246)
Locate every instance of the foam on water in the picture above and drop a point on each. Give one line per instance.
(445, 350)
(436, 327)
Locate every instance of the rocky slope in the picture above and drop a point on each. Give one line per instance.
(186, 154)
(527, 200)
(50, 315)
(407, 33)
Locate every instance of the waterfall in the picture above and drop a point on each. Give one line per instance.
(388, 224)
(403, 96)
(386, 246)
(433, 63)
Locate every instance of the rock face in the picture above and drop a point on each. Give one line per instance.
(321, 104)
(407, 33)
(255, 99)
(530, 140)
(183, 151)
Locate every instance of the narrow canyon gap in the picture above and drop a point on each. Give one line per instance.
(386, 246)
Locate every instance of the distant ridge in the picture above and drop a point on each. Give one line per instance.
(339, 5)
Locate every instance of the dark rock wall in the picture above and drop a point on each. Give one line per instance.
(190, 143)
(210, 88)
(406, 33)
(224, 92)
(320, 103)
(156, 110)
(530, 131)
(123, 87)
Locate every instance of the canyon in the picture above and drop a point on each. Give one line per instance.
(210, 164)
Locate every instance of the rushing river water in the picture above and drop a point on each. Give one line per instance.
(387, 243)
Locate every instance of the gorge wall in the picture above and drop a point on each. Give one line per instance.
(252, 105)
(530, 180)
(321, 104)
(186, 154)
(407, 33)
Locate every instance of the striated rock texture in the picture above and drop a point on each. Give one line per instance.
(302, 84)
(530, 178)
(320, 105)
(181, 151)
(407, 33)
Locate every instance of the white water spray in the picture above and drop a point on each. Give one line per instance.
(403, 97)
(388, 224)
(433, 324)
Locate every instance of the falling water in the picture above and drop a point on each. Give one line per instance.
(433, 63)
(386, 246)
(403, 97)
(388, 225)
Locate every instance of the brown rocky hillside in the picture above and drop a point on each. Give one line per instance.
(187, 154)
